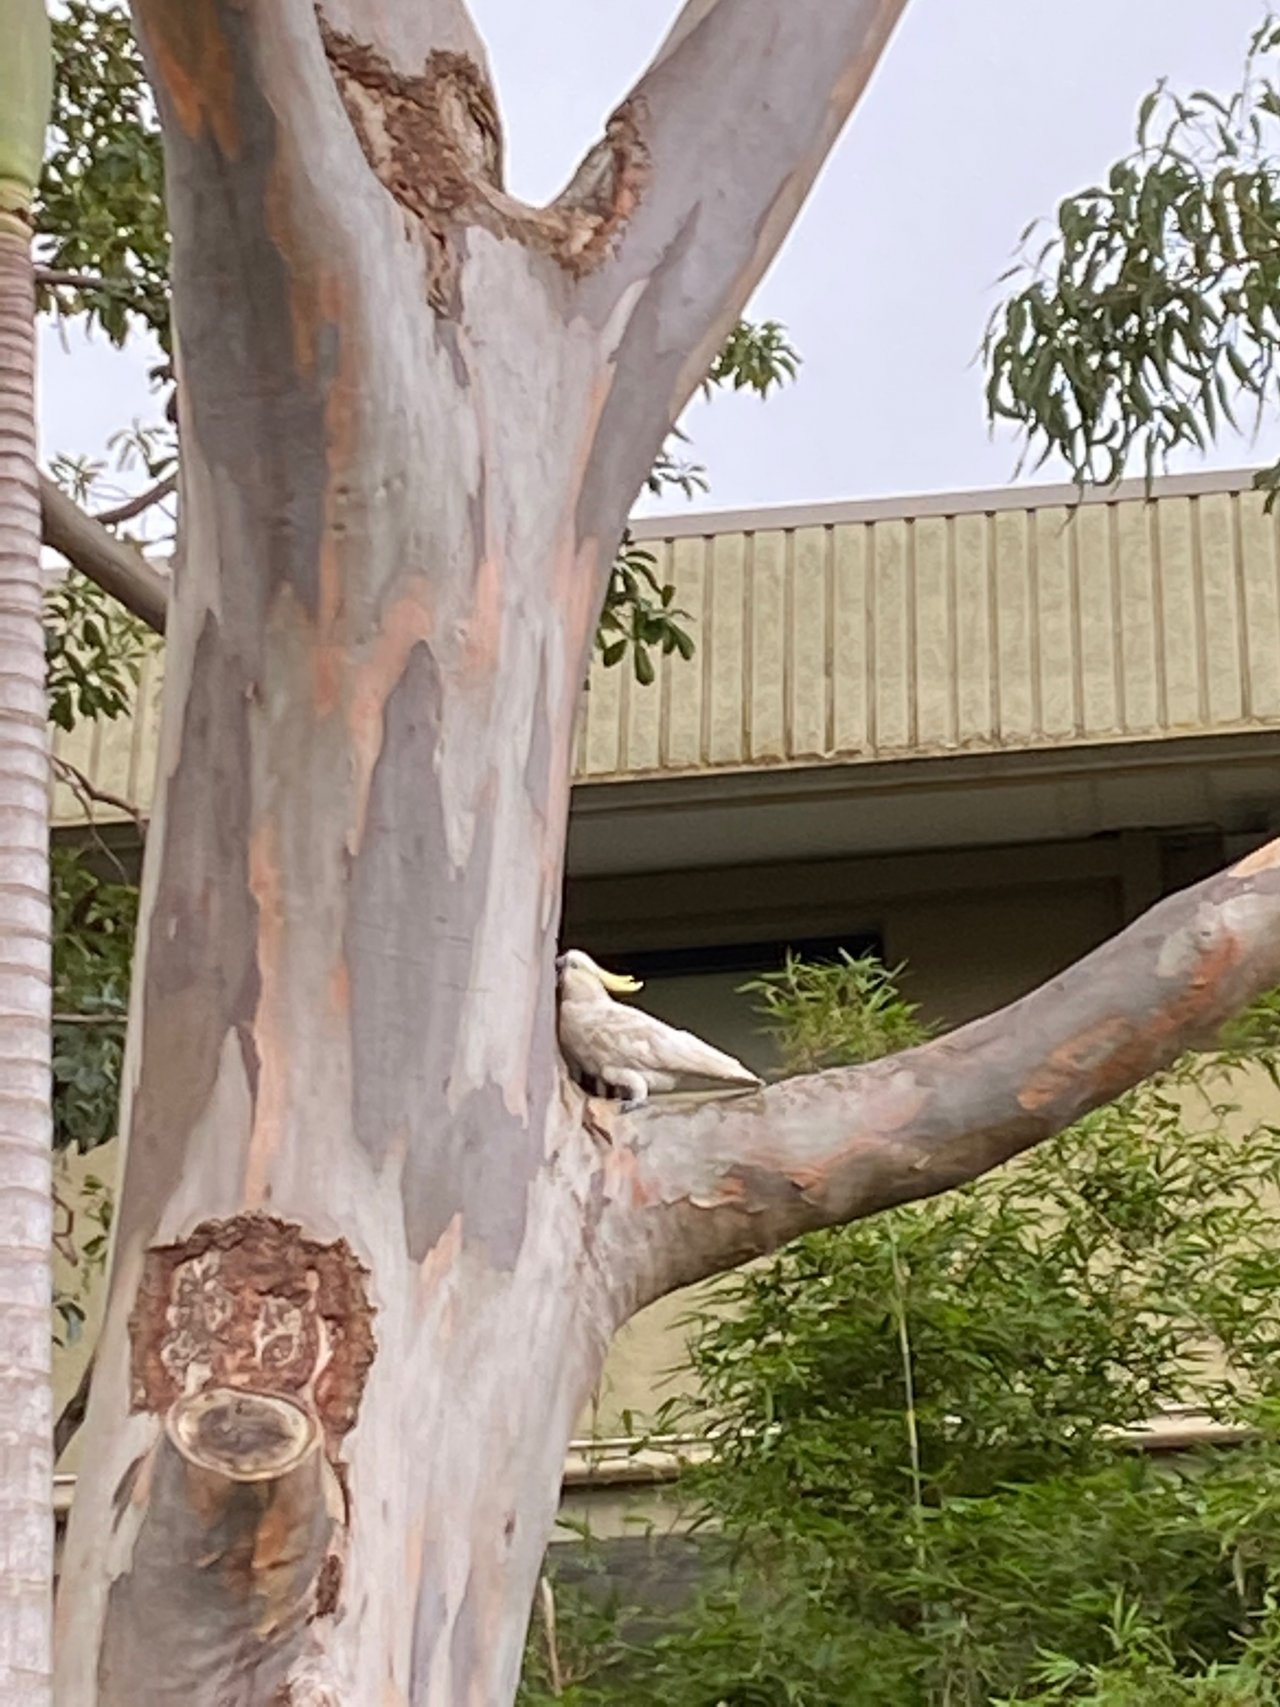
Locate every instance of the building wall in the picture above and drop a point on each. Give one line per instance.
(866, 633)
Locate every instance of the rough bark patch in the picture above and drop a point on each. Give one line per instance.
(429, 136)
(252, 1303)
(433, 139)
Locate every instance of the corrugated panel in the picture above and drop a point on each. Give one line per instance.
(854, 633)
(1038, 624)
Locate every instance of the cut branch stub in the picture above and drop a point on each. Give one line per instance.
(242, 1437)
(233, 1556)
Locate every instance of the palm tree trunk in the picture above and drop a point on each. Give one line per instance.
(26, 1502)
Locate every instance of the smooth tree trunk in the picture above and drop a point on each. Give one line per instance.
(368, 1257)
(26, 1462)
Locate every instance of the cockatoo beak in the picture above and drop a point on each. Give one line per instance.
(619, 983)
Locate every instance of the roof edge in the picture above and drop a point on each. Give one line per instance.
(697, 524)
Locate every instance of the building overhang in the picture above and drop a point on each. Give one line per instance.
(1230, 783)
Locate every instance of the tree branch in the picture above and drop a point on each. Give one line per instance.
(54, 278)
(70, 1419)
(117, 568)
(726, 131)
(140, 501)
(731, 1179)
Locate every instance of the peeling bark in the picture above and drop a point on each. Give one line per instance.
(368, 1259)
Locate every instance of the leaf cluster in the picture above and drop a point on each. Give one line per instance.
(100, 212)
(1148, 311)
(94, 921)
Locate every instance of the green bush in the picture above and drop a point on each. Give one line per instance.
(921, 1495)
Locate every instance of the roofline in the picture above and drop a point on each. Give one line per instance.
(992, 500)
(911, 506)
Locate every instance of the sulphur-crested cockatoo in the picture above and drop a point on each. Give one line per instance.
(625, 1049)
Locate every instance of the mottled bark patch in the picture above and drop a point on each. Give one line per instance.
(251, 264)
(252, 1303)
(481, 1160)
(410, 946)
(200, 978)
(464, 1645)
(433, 138)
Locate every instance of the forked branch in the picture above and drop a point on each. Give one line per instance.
(729, 1180)
(734, 119)
(740, 108)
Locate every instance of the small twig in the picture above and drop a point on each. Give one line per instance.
(89, 1019)
(134, 506)
(547, 1601)
(62, 1240)
(73, 1412)
(86, 793)
(56, 278)
(89, 792)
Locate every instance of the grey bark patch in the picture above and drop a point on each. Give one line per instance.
(200, 978)
(249, 1056)
(537, 766)
(544, 1055)
(269, 447)
(408, 946)
(429, 1616)
(482, 1162)
(411, 926)
(464, 1660)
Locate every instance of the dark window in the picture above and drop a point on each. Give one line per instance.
(742, 956)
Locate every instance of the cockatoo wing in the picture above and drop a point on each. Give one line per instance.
(631, 1040)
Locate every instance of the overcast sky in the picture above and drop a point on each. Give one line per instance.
(982, 114)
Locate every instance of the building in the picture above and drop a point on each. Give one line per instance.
(979, 732)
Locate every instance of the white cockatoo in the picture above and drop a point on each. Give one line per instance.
(623, 1048)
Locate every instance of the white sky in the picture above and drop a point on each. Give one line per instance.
(982, 115)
